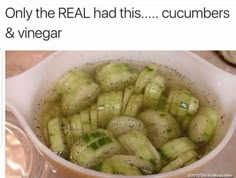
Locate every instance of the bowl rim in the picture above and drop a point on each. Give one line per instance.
(76, 168)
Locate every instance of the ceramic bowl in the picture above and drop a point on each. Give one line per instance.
(24, 91)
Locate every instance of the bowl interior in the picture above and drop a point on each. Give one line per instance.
(25, 91)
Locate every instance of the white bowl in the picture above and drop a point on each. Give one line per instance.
(24, 91)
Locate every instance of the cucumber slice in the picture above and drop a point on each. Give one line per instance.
(96, 152)
(180, 161)
(145, 166)
(212, 114)
(122, 124)
(109, 105)
(137, 144)
(85, 140)
(121, 165)
(193, 160)
(79, 97)
(161, 127)
(172, 149)
(49, 111)
(143, 78)
(60, 83)
(75, 126)
(162, 103)
(127, 93)
(104, 167)
(182, 105)
(169, 101)
(94, 117)
(116, 76)
(203, 126)
(69, 137)
(85, 120)
(56, 137)
(93, 135)
(193, 105)
(70, 79)
(134, 105)
(153, 91)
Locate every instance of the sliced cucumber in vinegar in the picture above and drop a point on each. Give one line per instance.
(180, 161)
(127, 93)
(134, 105)
(56, 137)
(153, 91)
(138, 144)
(96, 152)
(109, 105)
(203, 126)
(147, 73)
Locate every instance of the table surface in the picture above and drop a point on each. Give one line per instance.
(225, 162)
